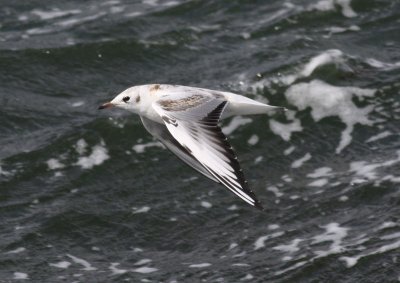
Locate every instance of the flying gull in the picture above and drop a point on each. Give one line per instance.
(185, 119)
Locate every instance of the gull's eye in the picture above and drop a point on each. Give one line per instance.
(126, 99)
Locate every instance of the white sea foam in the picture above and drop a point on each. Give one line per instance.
(151, 2)
(233, 207)
(76, 21)
(299, 162)
(23, 18)
(319, 183)
(48, 15)
(285, 130)
(86, 265)
(16, 251)
(352, 260)
(205, 28)
(277, 14)
(253, 140)
(287, 178)
(200, 265)
(171, 3)
(326, 100)
(387, 224)
(295, 266)
(54, 164)
(382, 65)
(232, 246)
(260, 242)
(20, 276)
(77, 103)
(258, 159)
(38, 31)
(391, 236)
(97, 157)
(115, 270)
(362, 168)
(347, 11)
(142, 261)
(247, 277)
(235, 123)
(273, 226)
(110, 3)
(61, 264)
(240, 264)
(142, 209)
(133, 14)
(368, 170)
(63, 21)
(330, 5)
(275, 190)
(334, 234)
(145, 269)
(332, 56)
(287, 258)
(289, 248)
(116, 9)
(289, 150)
(58, 174)
(336, 29)
(4, 172)
(327, 57)
(243, 253)
(205, 204)
(320, 172)
(140, 148)
(379, 136)
(81, 146)
(391, 178)
(190, 179)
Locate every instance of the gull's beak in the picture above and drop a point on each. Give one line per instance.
(106, 105)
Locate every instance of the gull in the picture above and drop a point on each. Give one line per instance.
(185, 119)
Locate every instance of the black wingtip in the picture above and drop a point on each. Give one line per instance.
(259, 206)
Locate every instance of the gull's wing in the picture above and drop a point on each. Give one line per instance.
(161, 132)
(193, 122)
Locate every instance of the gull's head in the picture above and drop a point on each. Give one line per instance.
(128, 99)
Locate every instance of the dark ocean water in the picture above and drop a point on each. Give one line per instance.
(88, 196)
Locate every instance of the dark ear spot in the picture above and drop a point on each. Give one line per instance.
(138, 99)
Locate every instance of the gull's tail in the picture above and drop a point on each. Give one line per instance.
(253, 108)
(241, 105)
